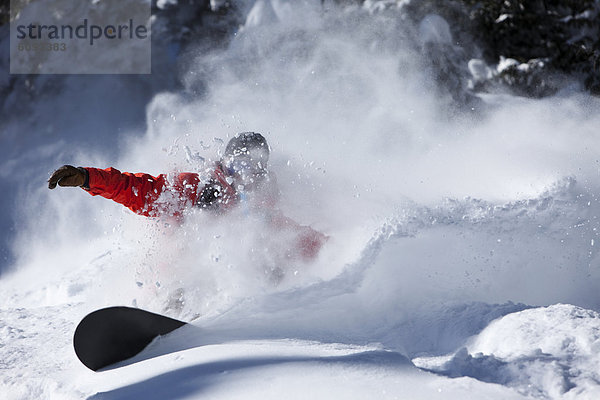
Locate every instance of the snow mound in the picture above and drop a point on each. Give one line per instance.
(563, 331)
(549, 352)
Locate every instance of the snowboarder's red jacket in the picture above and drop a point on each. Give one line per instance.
(140, 193)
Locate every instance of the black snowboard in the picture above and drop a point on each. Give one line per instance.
(114, 334)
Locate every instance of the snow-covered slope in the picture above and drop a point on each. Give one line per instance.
(463, 255)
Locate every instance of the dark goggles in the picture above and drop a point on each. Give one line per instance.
(248, 162)
(245, 166)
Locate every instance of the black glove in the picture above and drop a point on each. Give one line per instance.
(68, 175)
(210, 196)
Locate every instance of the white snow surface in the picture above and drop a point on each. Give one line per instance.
(463, 256)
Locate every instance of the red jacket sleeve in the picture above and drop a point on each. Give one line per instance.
(140, 192)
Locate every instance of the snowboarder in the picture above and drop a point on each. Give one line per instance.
(240, 177)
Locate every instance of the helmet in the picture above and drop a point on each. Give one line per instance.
(247, 154)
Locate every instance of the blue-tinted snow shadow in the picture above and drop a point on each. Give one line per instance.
(185, 381)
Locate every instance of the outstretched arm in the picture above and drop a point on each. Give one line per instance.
(138, 192)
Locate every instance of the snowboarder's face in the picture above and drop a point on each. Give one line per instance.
(248, 166)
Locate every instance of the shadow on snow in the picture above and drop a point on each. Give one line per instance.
(183, 382)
